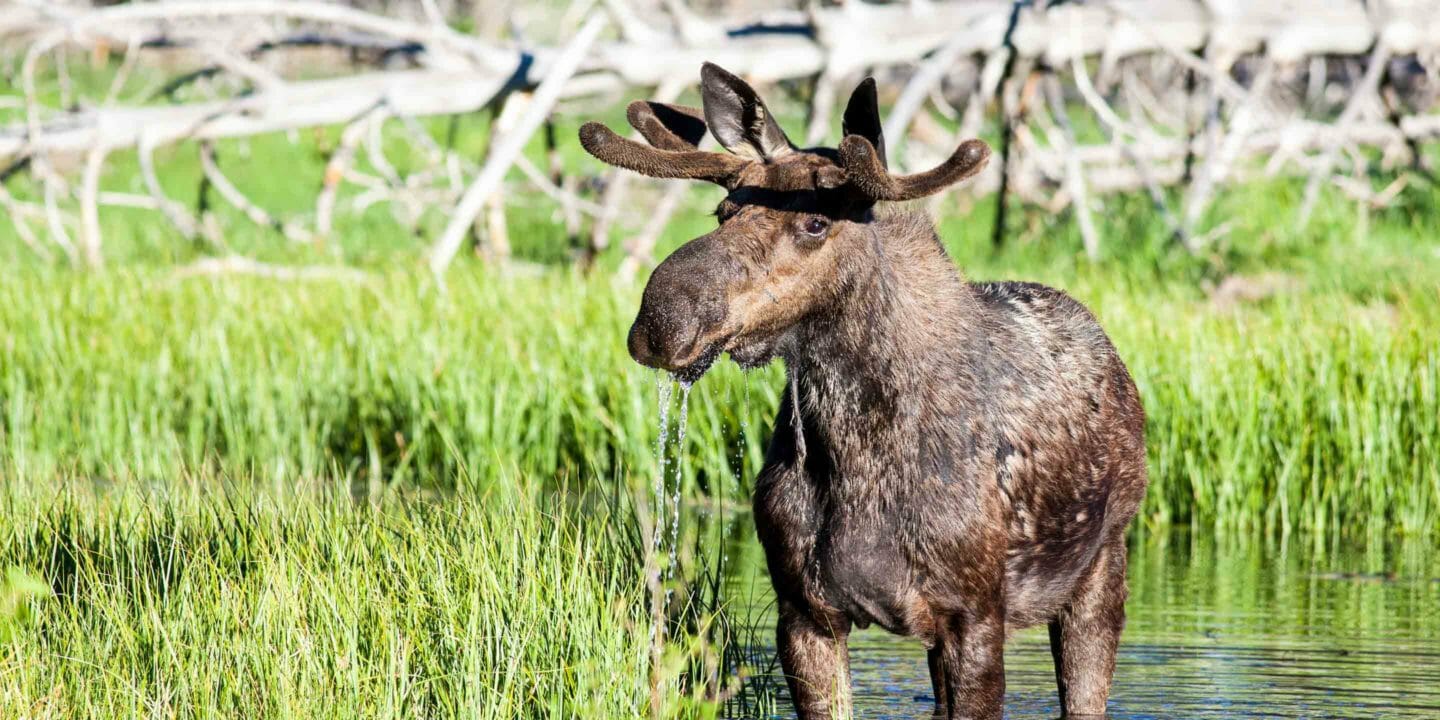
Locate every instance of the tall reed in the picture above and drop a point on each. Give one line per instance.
(1316, 410)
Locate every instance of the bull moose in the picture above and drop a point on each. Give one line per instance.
(951, 460)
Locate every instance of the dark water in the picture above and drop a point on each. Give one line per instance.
(1217, 629)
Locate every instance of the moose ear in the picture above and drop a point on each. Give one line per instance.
(862, 117)
(738, 118)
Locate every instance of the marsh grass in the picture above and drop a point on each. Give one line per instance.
(1314, 410)
(258, 606)
(178, 602)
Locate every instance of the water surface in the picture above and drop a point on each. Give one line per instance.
(1217, 629)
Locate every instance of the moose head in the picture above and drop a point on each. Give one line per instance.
(795, 229)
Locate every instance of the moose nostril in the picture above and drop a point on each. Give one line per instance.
(639, 345)
(655, 344)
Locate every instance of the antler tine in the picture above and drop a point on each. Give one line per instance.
(862, 164)
(604, 144)
(668, 127)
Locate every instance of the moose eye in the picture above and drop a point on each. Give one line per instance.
(814, 226)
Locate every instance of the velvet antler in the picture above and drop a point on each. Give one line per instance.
(604, 144)
(734, 114)
(668, 127)
(867, 172)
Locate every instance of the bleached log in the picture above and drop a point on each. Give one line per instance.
(1366, 94)
(1074, 174)
(335, 168)
(17, 211)
(446, 47)
(176, 213)
(1299, 135)
(1218, 165)
(561, 195)
(286, 107)
(210, 166)
(489, 178)
(793, 47)
(90, 207)
(55, 221)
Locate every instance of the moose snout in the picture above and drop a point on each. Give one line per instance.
(663, 340)
(682, 309)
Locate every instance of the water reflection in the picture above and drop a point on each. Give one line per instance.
(1218, 629)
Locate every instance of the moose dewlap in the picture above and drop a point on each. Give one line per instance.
(954, 459)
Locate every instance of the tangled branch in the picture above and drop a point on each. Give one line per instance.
(1158, 67)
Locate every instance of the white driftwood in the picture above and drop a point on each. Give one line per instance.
(863, 36)
(1074, 174)
(447, 47)
(286, 107)
(1366, 94)
(335, 169)
(90, 207)
(489, 178)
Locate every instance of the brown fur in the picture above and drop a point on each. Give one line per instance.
(951, 460)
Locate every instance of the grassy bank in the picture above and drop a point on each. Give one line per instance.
(1316, 409)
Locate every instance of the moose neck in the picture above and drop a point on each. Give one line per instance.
(896, 344)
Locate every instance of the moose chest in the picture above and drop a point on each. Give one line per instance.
(843, 549)
(859, 566)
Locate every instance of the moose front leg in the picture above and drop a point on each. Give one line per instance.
(816, 661)
(971, 647)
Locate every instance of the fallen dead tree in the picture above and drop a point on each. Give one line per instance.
(1187, 93)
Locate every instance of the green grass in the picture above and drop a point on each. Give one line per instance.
(177, 602)
(1316, 410)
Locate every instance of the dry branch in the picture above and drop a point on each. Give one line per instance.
(489, 179)
(335, 169)
(1367, 93)
(286, 107)
(1074, 174)
(17, 211)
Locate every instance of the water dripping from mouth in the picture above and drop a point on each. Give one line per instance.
(741, 450)
(680, 427)
(664, 391)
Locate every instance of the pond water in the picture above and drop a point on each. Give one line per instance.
(1217, 629)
